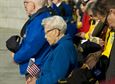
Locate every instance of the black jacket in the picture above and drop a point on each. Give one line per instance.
(111, 70)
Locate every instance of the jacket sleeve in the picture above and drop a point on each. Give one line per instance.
(59, 68)
(32, 43)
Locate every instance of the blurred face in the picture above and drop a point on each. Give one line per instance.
(90, 13)
(51, 35)
(56, 1)
(111, 18)
(29, 6)
(49, 2)
(100, 17)
(83, 8)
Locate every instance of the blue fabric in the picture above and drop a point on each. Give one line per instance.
(33, 44)
(60, 62)
(71, 29)
(56, 9)
(65, 11)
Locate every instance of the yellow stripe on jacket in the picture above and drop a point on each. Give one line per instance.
(109, 44)
(91, 29)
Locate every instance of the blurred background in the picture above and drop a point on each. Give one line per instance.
(12, 18)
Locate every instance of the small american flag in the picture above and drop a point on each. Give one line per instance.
(32, 68)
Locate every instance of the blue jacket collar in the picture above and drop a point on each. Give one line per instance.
(41, 10)
(65, 37)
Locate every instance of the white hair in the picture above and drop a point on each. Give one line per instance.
(55, 22)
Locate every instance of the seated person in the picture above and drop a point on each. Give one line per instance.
(62, 58)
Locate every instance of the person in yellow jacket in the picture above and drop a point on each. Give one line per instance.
(111, 20)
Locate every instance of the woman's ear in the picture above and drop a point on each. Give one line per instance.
(110, 11)
(58, 31)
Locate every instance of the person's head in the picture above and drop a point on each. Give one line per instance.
(111, 16)
(89, 8)
(55, 28)
(87, 5)
(82, 7)
(100, 11)
(32, 6)
(84, 2)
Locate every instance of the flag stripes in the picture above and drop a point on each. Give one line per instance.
(33, 69)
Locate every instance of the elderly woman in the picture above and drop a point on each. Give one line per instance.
(63, 56)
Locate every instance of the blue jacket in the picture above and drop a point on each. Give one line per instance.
(33, 44)
(60, 62)
(56, 9)
(65, 11)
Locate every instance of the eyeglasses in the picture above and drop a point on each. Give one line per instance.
(51, 30)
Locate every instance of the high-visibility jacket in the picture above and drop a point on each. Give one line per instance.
(108, 43)
(91, 29)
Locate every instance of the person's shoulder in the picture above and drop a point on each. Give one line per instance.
(40, 17)
(66, 38)
(65, 41)
(44, 15)
(65, 4)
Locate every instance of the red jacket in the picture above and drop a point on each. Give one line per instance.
(85, 23)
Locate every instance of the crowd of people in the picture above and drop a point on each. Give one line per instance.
(71, 41)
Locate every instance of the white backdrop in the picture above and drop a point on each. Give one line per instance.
(12, 14)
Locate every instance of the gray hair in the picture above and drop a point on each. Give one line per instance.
(55, 22)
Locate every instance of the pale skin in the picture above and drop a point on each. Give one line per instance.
(52, 35)
(31, 80)
(32, 6)
(111, 18)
